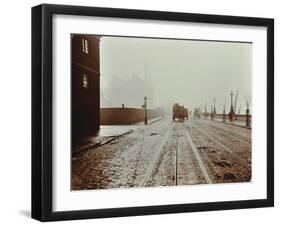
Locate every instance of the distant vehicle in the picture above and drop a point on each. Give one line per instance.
(197, 114)
(179, 112)
(186, 113)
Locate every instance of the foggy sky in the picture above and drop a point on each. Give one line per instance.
(183, 71)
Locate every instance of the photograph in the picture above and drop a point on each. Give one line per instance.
(140, 112)
(150, 112)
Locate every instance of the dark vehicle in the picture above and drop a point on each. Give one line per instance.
(186, 113)
(179, 112)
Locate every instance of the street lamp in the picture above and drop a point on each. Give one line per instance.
(223, 114)
(145, 110)
(231, 112)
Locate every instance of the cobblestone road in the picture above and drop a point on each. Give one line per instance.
(167, 153)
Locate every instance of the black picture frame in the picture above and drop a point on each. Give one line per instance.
(42, 107)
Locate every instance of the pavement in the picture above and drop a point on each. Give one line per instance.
(110, 133)
(150, 121)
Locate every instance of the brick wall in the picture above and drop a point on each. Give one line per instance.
(126, 116)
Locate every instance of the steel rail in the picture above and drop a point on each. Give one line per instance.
(238, 137)
(198, 158)
(223, 147)
(156, 158)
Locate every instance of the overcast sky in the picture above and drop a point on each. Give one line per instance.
(168, 71)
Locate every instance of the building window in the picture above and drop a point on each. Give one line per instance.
(85, 46)
(85, 81)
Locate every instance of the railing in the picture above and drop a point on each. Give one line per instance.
(240, 119)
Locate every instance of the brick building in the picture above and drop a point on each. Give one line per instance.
(85, 78)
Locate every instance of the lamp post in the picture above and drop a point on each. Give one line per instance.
(145, 110)
(205, 114)
(231, 112)
(223, 114)
(215, 106)
(247, 117)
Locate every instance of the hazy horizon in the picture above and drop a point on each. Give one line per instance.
(167, 71)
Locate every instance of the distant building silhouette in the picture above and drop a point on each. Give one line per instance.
(128, 91)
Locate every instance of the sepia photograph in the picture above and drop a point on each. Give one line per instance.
(139, 112)
(150, 112)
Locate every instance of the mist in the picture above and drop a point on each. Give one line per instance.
(166, 71)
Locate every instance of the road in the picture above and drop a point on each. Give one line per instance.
(167, 153)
